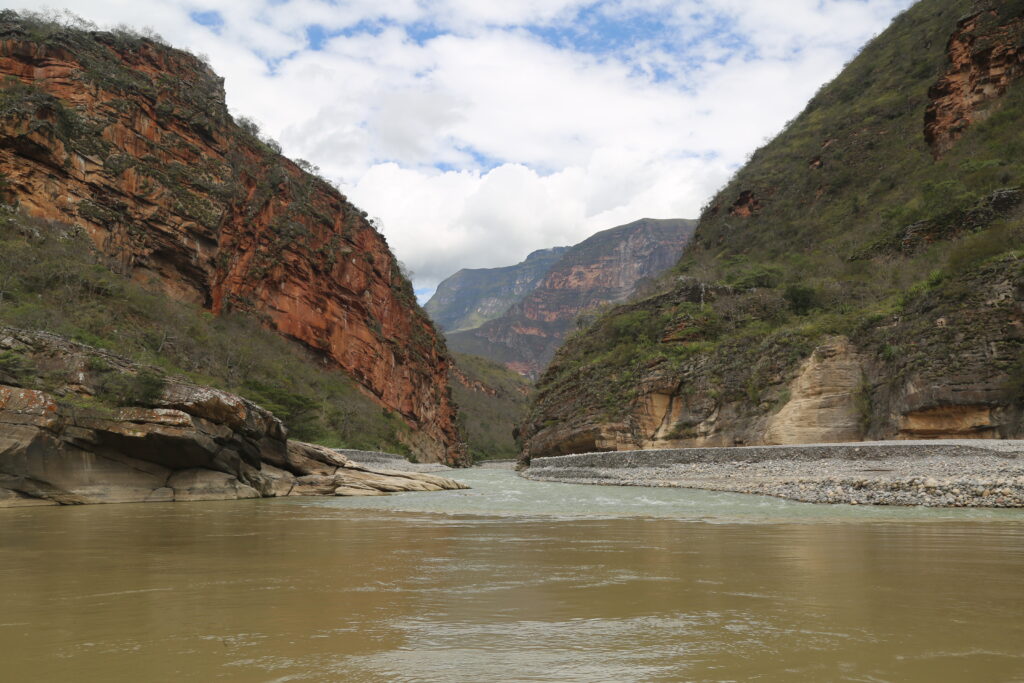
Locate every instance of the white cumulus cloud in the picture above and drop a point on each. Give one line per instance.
(480, 131)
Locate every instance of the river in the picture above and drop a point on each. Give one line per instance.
(511, 581)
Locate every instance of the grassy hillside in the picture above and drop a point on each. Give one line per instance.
(848, 223)
(52, 279)
(492, 402)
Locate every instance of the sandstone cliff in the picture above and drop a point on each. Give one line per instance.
(131, 140)
(859, 278)
(602, 269)
(472, 296)
(80, 425)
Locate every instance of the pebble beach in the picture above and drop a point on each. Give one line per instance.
(906, 473)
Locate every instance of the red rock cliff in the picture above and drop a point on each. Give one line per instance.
(132, 140)
(985, 57)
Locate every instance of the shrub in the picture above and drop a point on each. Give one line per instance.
(125, 389)
(13, 367)
(975, 249)
(801, 298)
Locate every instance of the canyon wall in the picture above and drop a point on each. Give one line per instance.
(862, 277)
(131, 140)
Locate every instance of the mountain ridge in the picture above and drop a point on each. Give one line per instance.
(604, 268)
(474, 296)
(859, 278)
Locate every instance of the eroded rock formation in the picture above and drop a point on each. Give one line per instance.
(944, 368)
(132, 141)
(985, 56)
(747, 204)
(823, 399)
(107, 431)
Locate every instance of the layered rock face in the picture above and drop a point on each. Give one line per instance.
(866, 283)
(106, 431)
(474, 296)
(946, 369)
(602, 269)
(132, 141)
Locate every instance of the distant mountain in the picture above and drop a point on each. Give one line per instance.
(473, 296)
(862, 277)
(603, 269)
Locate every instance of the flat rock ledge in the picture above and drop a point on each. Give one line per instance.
(180, 442)
(968, 473)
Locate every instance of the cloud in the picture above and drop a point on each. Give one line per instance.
(480, 131)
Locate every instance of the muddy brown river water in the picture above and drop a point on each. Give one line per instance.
(511, 581)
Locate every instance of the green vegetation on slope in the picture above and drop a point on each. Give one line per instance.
(51, 279)
(492, 402)
(843, 224)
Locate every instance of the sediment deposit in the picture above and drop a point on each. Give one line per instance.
(944, 473)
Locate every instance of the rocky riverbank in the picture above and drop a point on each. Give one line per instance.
(79, 425)
(927, 473)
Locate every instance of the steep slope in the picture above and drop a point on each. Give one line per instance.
(603, 269)
(53, 279)
(861, 277)
(132, 141)
(472, 296)
(492, 402)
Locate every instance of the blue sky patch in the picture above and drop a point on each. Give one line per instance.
(211, 19)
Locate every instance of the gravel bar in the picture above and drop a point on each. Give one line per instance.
(961, 473)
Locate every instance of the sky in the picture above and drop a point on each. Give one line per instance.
(477, 131)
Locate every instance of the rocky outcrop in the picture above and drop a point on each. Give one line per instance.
(313, 470)
(103, 430)
(986, 53)
(473, 296)
(132, 141)
(602, 269)
(748, 203)
(946, 368)
(823, 399)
